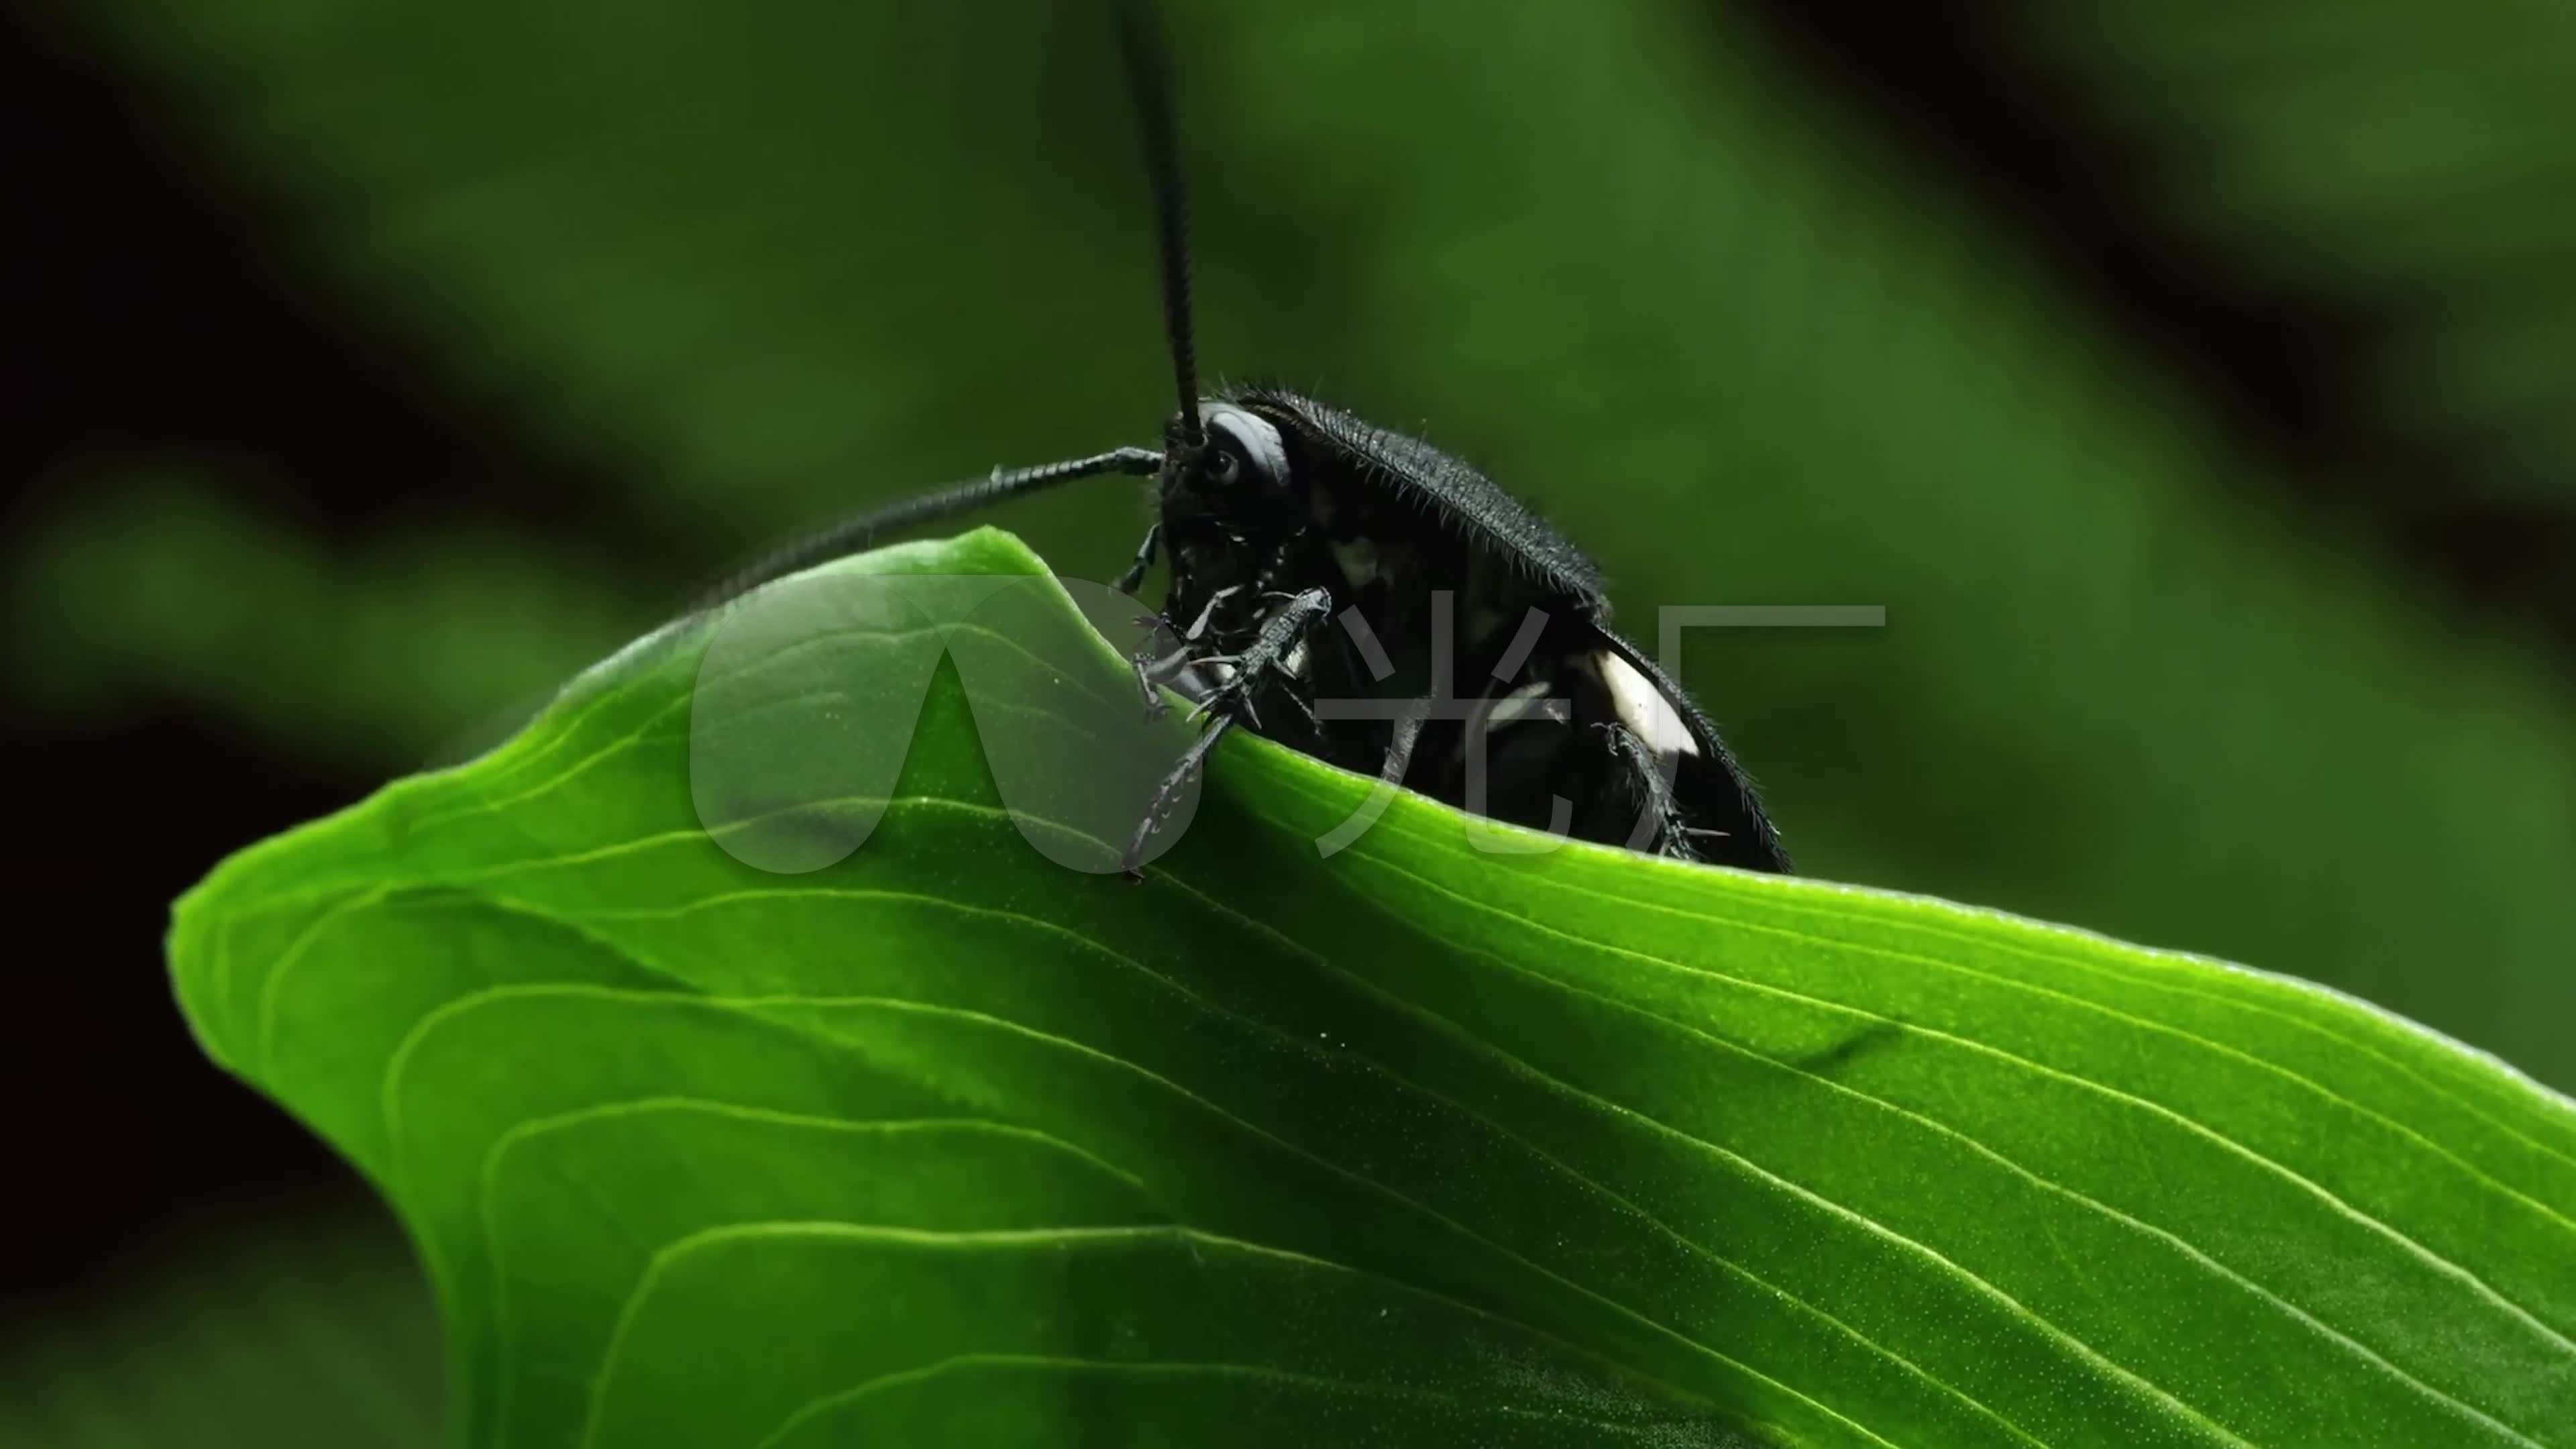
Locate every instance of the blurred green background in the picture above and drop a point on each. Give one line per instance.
(2194, 384)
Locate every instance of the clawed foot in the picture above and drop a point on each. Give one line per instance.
(1230, 700)
(1152, 670)
(1168, 794)
(1149, 692)
(1133, 862)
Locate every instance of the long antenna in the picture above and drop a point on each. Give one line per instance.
(851, 534)
(1149, 79)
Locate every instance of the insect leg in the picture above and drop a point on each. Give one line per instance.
(1390, 778)
(1151, 671)
(1661, 829)
(1131, 580)
(1170, 790)
(1399, 749)
(1281, 633)
(1199, 626)
(1231, 704)
(1150, 674)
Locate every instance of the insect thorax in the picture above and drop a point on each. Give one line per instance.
(1423, 609)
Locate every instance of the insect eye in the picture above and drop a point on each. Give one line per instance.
(1242, 447)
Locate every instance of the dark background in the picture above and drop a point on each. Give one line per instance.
(220, 335)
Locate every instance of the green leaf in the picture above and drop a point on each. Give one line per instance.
(944, 1142)
(795, 257)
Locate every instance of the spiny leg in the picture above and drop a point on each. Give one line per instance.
(1281, 633)
(1230, 704)
(1169, 793)
(1306, 715)
(1661, 827)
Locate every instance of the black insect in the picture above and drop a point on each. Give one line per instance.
(1317, 560)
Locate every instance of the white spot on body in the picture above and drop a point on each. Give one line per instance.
(1530, 701)
(1520, 704)
(1643, 708)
